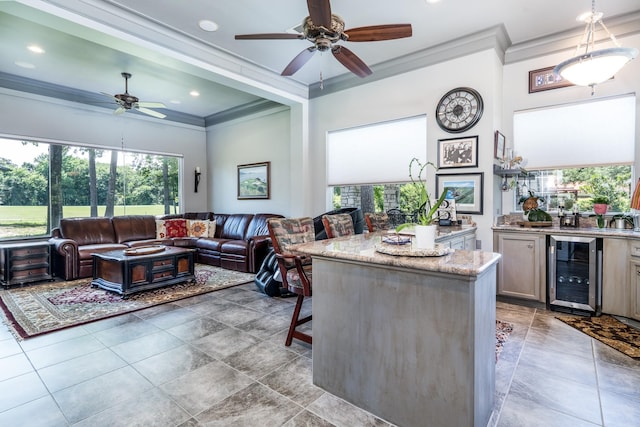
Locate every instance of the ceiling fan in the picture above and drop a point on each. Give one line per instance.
(126, 101)
(324, 29)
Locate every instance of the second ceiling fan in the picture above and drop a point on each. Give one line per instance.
(324, 29)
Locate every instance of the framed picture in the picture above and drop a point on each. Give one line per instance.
(545, 79)
(464, 188)
(254, 180)
(458, 152)
(499, 142)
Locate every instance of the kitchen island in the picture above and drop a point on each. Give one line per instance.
(410, 339)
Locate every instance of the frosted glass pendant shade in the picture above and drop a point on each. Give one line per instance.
(595, 67)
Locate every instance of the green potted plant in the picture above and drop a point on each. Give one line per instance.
(427, 211)
(600, 204)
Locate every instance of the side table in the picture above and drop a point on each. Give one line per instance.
(25, 262)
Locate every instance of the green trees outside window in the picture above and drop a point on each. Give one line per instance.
(41, 183)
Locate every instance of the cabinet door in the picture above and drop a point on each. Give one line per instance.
(635, 291)
(616, 275)
(457, 243)
(521, 270)
(470, 243)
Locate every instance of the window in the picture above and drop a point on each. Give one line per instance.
(577, 151)
(41, 183)
(375, 182)
(570, 186)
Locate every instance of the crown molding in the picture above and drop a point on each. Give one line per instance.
(241, 111)
(620, 26)
(37, 87)
(495, 37)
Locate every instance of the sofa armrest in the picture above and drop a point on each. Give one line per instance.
(65, 252)
(257, 250)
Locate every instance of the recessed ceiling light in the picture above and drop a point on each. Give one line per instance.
(208, 25)
(35, 48)
(175, 101)
(24, 64)
(194, 93)
(432, 1)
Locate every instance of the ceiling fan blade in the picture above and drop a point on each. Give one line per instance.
(151, 112)
(108, 95)
(351, 61)
(298, 61)
(379, 32)
(119, 110)
(269, 36)
(320, 12)
(151, 104)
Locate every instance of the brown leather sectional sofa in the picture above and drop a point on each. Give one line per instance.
(240, 242)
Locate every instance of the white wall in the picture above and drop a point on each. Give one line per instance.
(32, 117)
(517, 98)
(409, 94)
(264, 137)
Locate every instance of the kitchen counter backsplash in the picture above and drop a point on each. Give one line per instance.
(516, 219)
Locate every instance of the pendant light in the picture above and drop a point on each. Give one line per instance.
(590, 67)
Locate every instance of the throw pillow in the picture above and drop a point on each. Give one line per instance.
(212, 228)
(176, 227)
(198, 227)
(161, 229)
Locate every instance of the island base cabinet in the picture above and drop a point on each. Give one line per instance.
(414, 347)
(522, 269)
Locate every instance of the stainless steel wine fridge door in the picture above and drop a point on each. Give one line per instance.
(575, 273)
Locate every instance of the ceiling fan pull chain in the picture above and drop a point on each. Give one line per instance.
(321, 81)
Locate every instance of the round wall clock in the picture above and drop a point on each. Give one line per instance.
(459, 110)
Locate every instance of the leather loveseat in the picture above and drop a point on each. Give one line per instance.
(240, 241)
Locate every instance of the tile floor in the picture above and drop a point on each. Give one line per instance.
(219, 360)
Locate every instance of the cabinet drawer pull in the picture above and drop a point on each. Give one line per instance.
(530, 246)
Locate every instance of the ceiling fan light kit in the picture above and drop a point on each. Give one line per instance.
(592, 67)
(324, 29)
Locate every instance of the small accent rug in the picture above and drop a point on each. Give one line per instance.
(503, 329)
(49, 306)
(609, 331)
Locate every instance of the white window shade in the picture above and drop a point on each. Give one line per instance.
(587, 134)
(376, 154)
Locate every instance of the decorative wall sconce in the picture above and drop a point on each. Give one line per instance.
(197, 173)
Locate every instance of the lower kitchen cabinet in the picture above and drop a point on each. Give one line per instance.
(635, 291)
(634, 279)
(522, 268)
(461, 240)
(615, 276)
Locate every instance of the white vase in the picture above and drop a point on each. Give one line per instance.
(425, 236)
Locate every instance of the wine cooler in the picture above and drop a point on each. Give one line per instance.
(575, 274)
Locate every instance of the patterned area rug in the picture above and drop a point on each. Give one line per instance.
(609, 331)
(45, 307)
(503, 329)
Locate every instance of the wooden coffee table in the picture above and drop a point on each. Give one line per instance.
(141, 269)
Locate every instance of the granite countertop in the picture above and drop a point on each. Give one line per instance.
(626, 233)
(362, 248)
(587, 227)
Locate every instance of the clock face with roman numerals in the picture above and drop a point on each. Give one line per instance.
(459, 110)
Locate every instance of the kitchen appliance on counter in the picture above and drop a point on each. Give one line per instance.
(575, 274)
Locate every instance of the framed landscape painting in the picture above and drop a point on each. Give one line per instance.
(254, 180)
(465, 188)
